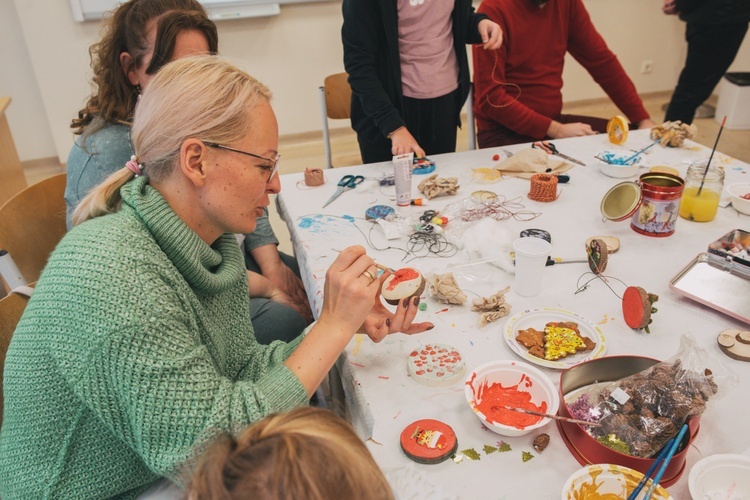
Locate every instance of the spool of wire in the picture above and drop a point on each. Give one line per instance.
(537, 233)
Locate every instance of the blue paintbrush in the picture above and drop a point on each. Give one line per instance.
(665, 462)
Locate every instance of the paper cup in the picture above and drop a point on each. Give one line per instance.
(531, 258)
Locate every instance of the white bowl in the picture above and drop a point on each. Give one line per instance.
(736, 191)
(611, 163)
(509, 374)
(720, 476)
(607, 481)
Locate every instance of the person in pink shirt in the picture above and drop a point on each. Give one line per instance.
(409, 72)
(518, 88)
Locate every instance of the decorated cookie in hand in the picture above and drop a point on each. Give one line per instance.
(405, 282)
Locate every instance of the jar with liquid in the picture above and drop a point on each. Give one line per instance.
(700, 203)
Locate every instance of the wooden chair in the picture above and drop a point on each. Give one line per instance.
(11, 309)
(11, 172)
(32, 223)
(335, 103)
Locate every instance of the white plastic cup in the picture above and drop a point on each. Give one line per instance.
(402, 178)
(531, 258)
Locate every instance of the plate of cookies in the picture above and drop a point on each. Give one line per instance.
(554, 338)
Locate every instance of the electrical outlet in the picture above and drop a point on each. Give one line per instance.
(647, 67)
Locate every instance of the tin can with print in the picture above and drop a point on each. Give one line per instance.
(652, 203)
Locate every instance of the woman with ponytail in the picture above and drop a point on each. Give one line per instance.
(136, 349)
(138, 39)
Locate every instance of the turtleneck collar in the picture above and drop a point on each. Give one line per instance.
(207, 268)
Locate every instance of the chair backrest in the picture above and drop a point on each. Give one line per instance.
(11, 310)
(335, 103)
(32, 223)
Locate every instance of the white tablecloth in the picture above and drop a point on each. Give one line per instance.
(383, 399)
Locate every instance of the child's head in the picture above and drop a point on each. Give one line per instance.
(306, 453)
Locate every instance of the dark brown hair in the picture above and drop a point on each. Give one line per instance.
(113, 97)
(306, 453)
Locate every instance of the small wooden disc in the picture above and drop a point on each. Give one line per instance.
(665, 170)
(636, 307)
(735, 344)
(612, 242)
(597, 256)
(428, 441)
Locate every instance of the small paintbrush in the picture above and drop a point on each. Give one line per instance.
(379, 266)
(548, 415)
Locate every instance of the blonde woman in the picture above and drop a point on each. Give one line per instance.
(137, 348)
(306, 453)
(137, 39)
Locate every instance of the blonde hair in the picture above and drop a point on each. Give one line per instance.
(306, 453)
(202, 97)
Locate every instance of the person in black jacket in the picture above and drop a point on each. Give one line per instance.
(409, 72)
(714, 32)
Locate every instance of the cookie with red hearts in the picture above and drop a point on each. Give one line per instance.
(436, 365)
(428, 441)
(403, 283)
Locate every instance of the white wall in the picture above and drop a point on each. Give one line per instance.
(44, 56)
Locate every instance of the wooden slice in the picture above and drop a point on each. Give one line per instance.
(735, 344)
(405, 282)
(612, 242)
(597, 256)
(636, 307)
(428, 441)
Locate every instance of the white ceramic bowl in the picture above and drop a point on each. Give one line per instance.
(720, 476)
(611, 163)
(736, 191)
(607, 481)
(509, 374)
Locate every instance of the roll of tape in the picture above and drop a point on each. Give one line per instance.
(617, 129)
(537, 233)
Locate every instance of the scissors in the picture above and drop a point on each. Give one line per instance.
(550, 148)
(346, 183)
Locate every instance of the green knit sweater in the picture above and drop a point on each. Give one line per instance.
(135, 350)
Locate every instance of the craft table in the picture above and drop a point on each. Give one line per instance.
(382, 399)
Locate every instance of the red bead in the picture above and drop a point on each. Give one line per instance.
(496, 158)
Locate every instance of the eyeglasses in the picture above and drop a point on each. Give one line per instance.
(274, 161)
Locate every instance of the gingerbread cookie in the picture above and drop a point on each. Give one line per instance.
(436, 365)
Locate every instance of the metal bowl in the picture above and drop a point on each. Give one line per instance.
(584, 447)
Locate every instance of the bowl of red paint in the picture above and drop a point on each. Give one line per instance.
(493, 388)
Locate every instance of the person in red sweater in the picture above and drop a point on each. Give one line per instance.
(517, 88)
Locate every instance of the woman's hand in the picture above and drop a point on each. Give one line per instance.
(647, 123)
(491, 33)
(350, 290)
(403, 142)
(292, 288)
(557, 130)
(381, 322)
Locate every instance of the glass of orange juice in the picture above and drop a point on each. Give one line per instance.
(700, 199)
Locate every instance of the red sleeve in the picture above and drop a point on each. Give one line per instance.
(495, 100)
(588, 47)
